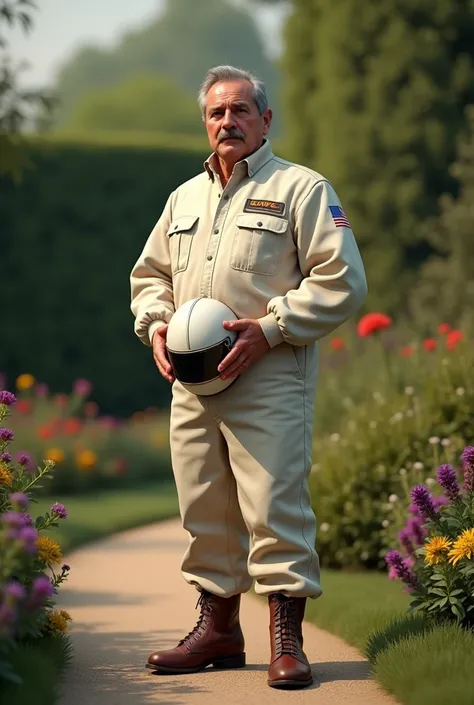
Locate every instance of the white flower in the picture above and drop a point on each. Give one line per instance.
(402, 471)
(409, 391)
(373, 424)
(418, 465)
(324, 527)
(430, 481)
(409, 413)
(460, 391)
(434, 440)
(385, 523)
(396, 417)
(445, 442)
(335, 437)
(364, 555)
(393, 498)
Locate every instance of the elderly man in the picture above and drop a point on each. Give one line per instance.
(270, 239)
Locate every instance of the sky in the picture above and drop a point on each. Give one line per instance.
(62, 26)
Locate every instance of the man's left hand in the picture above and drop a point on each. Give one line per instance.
(249, 347)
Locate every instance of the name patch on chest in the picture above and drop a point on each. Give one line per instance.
(252, 205)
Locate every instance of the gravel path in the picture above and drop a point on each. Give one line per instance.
(127, 599)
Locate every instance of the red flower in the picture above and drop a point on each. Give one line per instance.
(45, 432)
(407, 351)
(24, 406)
(444, 328)
(453, 338)
(337, 343)
(372, 322)
(71, 426)
(430, 344)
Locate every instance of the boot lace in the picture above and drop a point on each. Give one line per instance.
(204, 603)
(286, 628)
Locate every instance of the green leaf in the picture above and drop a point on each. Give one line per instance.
(458, 611)
(438, 591)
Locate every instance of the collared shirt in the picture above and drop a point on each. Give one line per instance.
(274, 244)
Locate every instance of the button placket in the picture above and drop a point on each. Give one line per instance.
(213, 244)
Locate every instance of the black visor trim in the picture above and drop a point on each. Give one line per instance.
(199, 366)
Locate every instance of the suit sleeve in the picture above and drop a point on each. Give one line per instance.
(151, 285)
(334, 284)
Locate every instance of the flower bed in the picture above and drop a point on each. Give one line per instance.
(391, 408)
(90, 450)
(31, 568)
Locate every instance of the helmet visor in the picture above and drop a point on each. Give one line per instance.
(200, 366)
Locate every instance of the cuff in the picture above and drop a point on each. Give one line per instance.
(271, 330)
(154, 327)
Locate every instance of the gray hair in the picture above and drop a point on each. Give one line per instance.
(230, 73)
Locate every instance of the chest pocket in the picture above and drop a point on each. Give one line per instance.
(258, 243)
(180, 233)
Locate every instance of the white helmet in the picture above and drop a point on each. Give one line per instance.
(196, 344)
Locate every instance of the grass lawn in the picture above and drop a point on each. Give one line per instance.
(100, 514)
(418, 665)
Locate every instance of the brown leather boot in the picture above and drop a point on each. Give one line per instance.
(289, 667)
(216, 639)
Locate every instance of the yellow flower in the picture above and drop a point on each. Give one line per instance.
(57, 621)
(86, 459)
(463, 547)
(436, 549)
(6, 478)
(49, 551)
(55, 454)
(25, 381)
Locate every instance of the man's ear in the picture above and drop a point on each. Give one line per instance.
(267, 121)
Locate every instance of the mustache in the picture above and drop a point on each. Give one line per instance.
(234, 133)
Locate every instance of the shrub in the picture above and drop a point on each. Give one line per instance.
(437, 558)
(29, 560)
(378, 415)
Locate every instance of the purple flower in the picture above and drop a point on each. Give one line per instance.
(60, 510)
(7, 615)
(6, 434)
(41, 588)
(82, 387)
(404, 537)
(423, 501)
(15, 590)
(7, 398)
(448, 481)
(19, 498)
(414, 526)
(24, 459)
(440, 502)
(12, 519)
(6, 457)
(401, 568)
(28, 536)
(12, 534)
(26, 519)
(42, 390)
(467, 457)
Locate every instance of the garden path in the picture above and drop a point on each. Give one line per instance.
(127, 598)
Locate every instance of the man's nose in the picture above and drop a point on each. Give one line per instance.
(229, 120)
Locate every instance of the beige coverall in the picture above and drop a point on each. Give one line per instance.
(269, 246)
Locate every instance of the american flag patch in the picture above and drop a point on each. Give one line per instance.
(339, 217)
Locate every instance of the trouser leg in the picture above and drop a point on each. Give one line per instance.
(267, 420)
(216, 558)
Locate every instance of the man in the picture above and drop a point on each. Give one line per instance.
(270, 239)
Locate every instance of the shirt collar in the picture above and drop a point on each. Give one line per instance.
(251, 164)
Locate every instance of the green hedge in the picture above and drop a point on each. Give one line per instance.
(70, 234)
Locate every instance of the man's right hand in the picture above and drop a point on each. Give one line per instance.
(160, 356)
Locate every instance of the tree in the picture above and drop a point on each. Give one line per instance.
(375, 98)
(180, 45)
(145, 102)
(16, 105)
(446, 283)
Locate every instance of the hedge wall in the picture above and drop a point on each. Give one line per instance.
(69, 236)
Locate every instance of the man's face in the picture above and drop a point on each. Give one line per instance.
(234, 126)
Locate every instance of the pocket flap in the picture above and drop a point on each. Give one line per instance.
(260, 221)
(182, 224)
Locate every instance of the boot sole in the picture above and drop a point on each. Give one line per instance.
(290, 684)
(238, 661)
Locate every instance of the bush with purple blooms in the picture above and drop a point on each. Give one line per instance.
(31, 567)
(435, 560)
